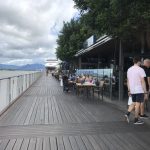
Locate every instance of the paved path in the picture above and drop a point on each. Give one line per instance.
(45, 118)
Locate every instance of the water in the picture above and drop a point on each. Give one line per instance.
(7, 73)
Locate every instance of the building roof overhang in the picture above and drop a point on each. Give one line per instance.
(102, 40)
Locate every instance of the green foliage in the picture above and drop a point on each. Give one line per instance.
(125, 19)
(71, 39)
(121, 18)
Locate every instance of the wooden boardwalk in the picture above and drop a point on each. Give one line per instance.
(45, 118)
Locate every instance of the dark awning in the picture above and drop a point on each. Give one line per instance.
(102, 40)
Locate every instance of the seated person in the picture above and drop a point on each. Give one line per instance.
(82, 79)
(77, 80)
(91, 79)
(72, 78)
(96, 82)
(87, 79)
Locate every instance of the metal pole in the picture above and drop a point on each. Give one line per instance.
(98, 68)
(121, 59)
(80, 62)
(110, 85)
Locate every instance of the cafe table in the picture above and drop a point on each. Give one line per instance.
(87, 86)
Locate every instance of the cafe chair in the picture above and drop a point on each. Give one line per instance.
(99, 89)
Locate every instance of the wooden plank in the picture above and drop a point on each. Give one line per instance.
(80, 114)
(30, 112)
(37, 117)
(50, 110)
(16, 116)
(13, 114)
(32, 144)
(65, 113)
(26, 111)
(73, 142)
(42, 115)
(87, 143)
(100, 142)
(70, 114)
(128, 144)
(23, 113)
(74, 114)
(46, 144)
(39, 144)
(105, 139)
(80, 143)
(90, 115)
(13, 108)
(53, 143)
(133, 142)
(112, 141)
(67, 143)
(122, 145)
(10, 144)
(93, 143)
(57, 111)
(60, 143)
(25, 144)
(4, 144)
(138, 140)
(18, 144)
(54, 111)
(144, 137)
(34, 112)
(92, 110)
(46, 121)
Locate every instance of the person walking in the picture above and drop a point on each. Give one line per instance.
(136, 88)
(65, 83)
(147, 71)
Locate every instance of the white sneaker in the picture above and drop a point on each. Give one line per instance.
(127, 118)
(139, 122)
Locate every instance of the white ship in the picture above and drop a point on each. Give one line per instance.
(51, 64)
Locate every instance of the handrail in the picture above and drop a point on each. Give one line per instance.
(19, 75)
(13, 86)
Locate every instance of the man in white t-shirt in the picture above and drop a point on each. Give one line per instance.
(136, 89)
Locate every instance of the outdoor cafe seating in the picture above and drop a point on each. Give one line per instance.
(86, 86)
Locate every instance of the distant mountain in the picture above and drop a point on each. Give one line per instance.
(28, 67)
(31, 67)
(8, 67)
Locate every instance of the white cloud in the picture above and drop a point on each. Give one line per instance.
(29, 28)
(19, 62)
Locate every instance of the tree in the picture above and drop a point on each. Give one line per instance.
(121, 18)
(71, 39)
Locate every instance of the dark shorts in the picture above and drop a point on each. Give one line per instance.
(138, 97)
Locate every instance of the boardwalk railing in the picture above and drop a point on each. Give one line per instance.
(13, 87)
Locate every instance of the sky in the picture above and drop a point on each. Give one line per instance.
(29, 29)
